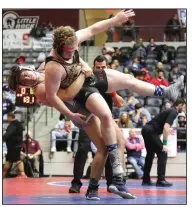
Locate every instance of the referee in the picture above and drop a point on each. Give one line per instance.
(151, 132)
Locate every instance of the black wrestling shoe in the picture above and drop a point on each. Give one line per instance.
(148, 183)
(75, 188)
(163, 183)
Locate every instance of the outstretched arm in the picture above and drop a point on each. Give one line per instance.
(102, 26)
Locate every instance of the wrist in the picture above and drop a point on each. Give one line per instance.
(113, 94)
(114, 20)
(165, 142)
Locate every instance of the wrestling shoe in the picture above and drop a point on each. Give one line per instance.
(172, 92)
(92, 193)
(119, 188)
(115, 163)
(75, 188)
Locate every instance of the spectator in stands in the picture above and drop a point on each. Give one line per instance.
(135, 65)
(38, 32)
(142, 122)
(116, 54)
(164, 55)
(49, 26)
(130, 102)
(180, 121)
(143, 75)
(139, 49)
(128, 29)
(174, 74)
(127, 71)
(14, 141)
(124, 121)
(139, 112)
(167, 106)
(31, 150)
(160, 79)
(60, 132)
(113, 66)
(134, 145)
(158, 66)
(110, 31)
(104, 51)
(4, 152)
(117, 65)
(151, 46)
(8, 106)
(20, 60)
(173, 29)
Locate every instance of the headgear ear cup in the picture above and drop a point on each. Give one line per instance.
(59, 50)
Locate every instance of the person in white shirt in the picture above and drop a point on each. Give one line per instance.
(63, 129)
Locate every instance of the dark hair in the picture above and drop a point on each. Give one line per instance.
(13, 78)
(160, 70)
(151, 38)
(138, 106)
(12, 115)
(179, 101)
(174, 66)
(100, 58)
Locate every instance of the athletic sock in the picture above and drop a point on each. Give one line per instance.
(111, 147)
(158, 91)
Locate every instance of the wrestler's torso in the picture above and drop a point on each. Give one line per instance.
(72, 68)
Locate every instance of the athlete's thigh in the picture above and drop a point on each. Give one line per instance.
(97, 105)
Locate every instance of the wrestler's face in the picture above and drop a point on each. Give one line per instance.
(100, 65)
(28, 78)
(68, 51)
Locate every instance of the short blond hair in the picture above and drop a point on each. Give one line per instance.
(64, 36)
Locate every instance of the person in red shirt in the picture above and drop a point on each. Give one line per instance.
(160, 79)
(33, 150)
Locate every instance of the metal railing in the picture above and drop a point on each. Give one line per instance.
(36, 119)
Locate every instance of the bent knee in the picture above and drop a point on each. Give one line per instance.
(106, 118)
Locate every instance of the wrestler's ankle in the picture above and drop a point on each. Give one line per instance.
(93, 183)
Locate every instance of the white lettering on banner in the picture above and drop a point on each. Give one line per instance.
(11, 20)
(171, 140)
(13, 38)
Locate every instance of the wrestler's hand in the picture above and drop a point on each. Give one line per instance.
(118, 101)
(87, 71)
(124, 15)
(164, 148)
(76, 118)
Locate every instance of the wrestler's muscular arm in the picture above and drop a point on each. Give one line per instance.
(53, 73)
(102, 26)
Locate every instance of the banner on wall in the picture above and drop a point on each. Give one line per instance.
(171, 144)
(11, 20)
(14, 38)
(182, 14)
